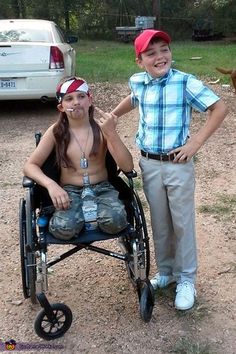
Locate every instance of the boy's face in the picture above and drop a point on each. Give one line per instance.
(75, 104)
(156, 60)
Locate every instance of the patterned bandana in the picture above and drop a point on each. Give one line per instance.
(71, 85)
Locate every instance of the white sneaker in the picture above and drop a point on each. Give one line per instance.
(161, 281)
(185, 295)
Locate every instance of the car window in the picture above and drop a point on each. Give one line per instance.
(24, 35)
(60, 36)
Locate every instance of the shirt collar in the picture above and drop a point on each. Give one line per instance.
(160, 80)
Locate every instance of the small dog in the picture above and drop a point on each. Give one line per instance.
(232, 74)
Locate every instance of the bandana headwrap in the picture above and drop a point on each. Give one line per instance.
(71, 85)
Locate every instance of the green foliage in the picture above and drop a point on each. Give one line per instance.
(92, 18)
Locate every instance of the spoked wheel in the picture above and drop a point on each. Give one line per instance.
(138, 246)
(131, 264)
(146, 301)
(27, 248)
(54, 326)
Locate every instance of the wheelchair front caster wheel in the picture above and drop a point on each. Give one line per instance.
(146, 301)
(55, 326)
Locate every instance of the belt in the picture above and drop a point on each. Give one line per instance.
(159, 157)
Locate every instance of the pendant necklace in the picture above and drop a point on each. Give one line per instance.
(83, 159)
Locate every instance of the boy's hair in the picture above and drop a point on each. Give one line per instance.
(142, 41)
(61, 128)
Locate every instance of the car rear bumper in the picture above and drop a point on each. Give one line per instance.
(30, 86)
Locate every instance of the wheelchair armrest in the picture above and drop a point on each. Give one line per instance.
(27, 182)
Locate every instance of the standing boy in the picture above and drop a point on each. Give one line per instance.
(165, 98)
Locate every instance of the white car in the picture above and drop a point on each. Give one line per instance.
(34, 57)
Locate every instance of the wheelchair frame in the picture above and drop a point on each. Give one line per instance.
(54, 320)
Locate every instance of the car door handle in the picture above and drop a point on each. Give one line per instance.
(70, 50)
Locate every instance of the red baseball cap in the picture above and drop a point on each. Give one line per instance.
(142, 41)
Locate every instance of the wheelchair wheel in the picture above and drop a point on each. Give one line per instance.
(27, 248)
(52, 328)
(138, 246)
(23, 258)
(146, 301)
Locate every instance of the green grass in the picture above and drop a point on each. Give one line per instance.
(100, 61)
(223, 208)
(105, 61)
(213, 54)
(190, 346)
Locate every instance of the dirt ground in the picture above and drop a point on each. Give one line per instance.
(104, 304)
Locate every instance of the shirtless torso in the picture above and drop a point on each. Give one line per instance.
(96, 164)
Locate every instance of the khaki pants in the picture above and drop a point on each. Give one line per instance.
(169, 189)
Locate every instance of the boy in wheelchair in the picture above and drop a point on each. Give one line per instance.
(80, 142)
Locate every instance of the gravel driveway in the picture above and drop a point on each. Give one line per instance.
(96, 288)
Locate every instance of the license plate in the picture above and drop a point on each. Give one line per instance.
(7, 84)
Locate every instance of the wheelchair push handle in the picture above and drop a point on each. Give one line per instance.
(37, 136)
(131, 174)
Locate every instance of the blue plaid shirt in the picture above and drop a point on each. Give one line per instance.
(165, 106)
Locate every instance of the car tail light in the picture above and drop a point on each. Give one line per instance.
(56, 58)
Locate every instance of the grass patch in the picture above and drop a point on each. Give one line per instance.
(196, 313)
(138, 183)
(224, 207)
(167, 294)
(188, 346)
(115, 62)
(105, 61)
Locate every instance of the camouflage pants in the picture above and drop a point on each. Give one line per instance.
(111, 214)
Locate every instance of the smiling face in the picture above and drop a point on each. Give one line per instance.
(156, 60)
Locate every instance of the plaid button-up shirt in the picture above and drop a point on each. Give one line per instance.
(165, 106)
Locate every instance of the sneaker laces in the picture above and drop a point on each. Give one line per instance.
(185, 289)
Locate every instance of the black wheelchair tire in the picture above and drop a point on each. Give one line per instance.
(42, 322)
(23, 258)
(30, 249)
(142, 219)
(146, 302)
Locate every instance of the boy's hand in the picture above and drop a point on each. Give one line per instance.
(186, 152)
(106, 121)
(59, 197)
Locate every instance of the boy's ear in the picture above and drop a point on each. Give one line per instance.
(60, 108)
(139, 62)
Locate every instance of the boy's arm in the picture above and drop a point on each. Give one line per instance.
(216, 115)
(107, 122)
(123, 107)
(32, 169)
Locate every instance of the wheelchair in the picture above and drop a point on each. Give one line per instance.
(35, 210)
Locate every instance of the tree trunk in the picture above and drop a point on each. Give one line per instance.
(156, 5)
(66, 16)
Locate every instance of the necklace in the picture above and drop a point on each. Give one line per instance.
(83, 159)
